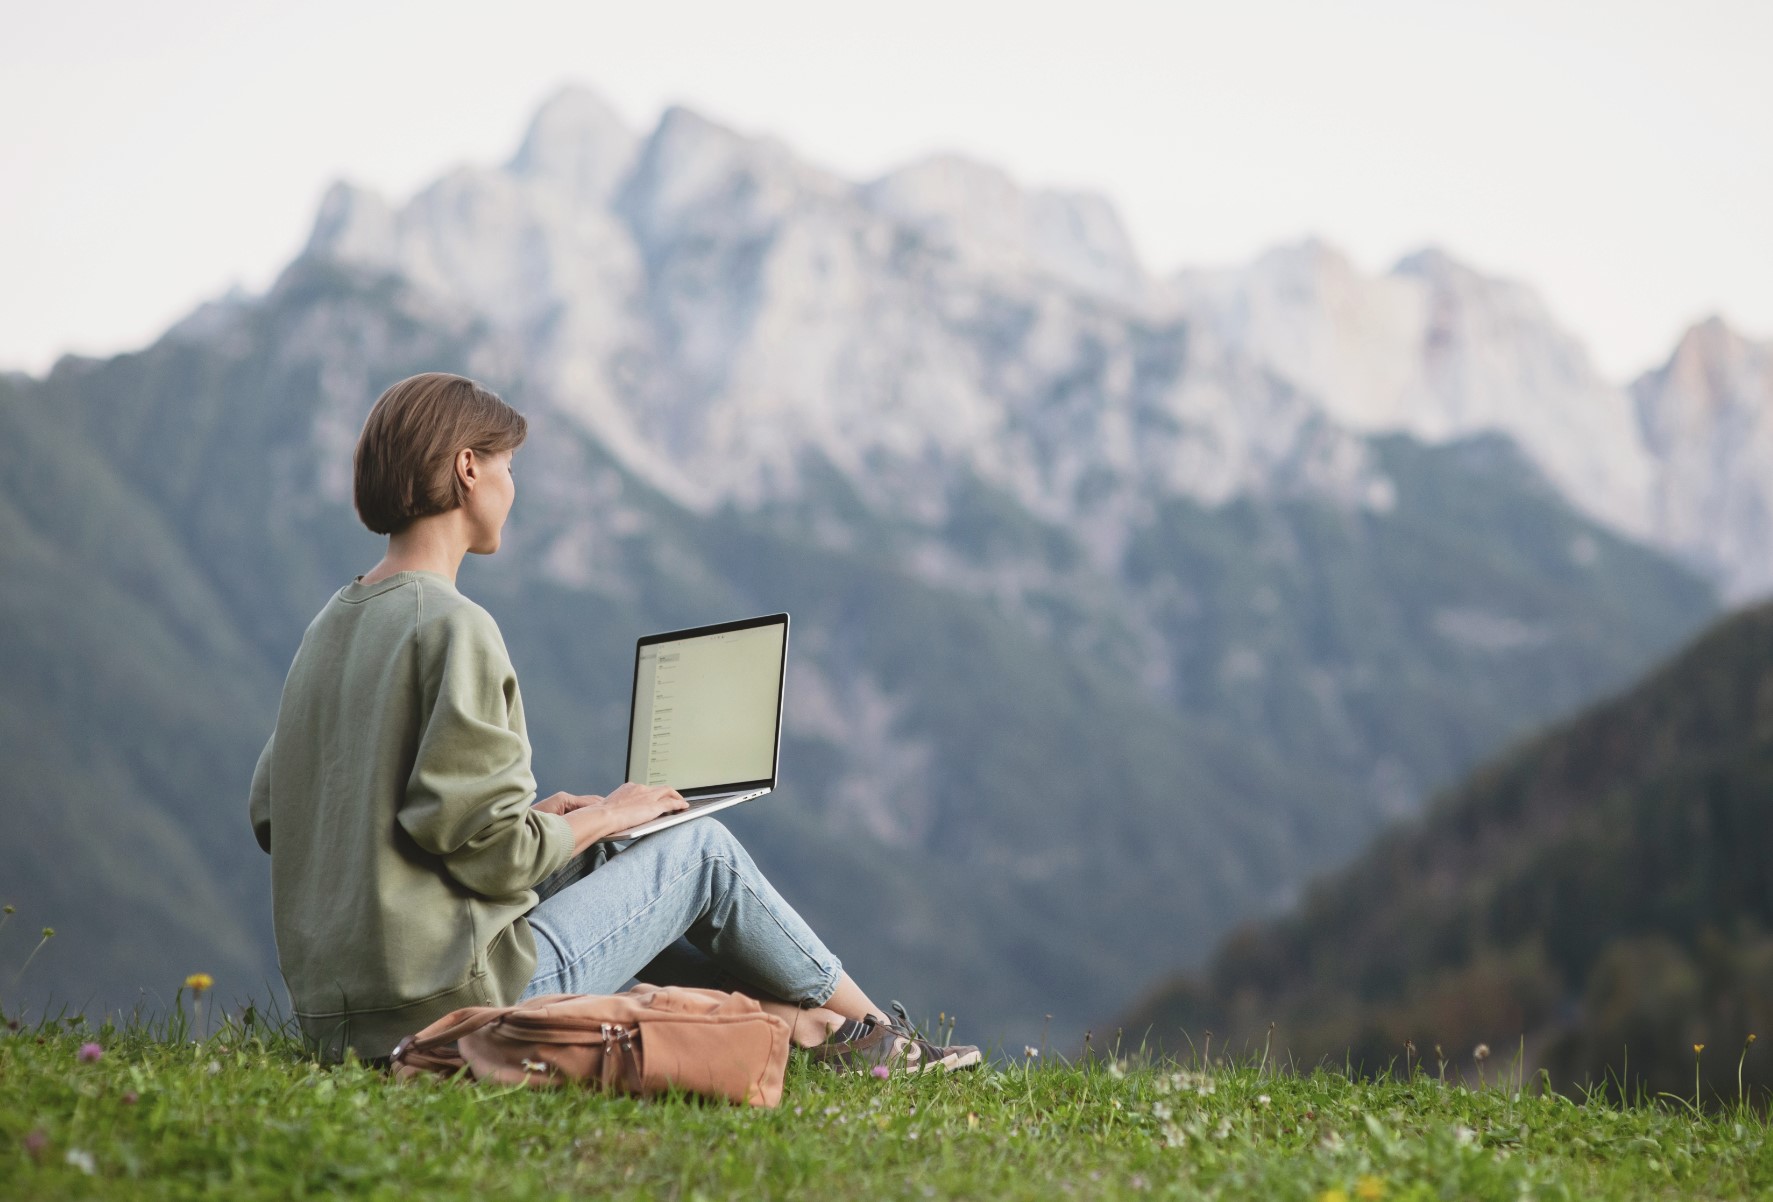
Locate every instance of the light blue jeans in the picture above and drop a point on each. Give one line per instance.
(686, 906)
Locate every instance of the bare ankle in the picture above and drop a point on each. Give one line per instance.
(813, 1027)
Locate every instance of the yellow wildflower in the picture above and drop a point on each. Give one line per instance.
(1698, 1048)
(1369, 1189)
(197, 982)
(1333, 1195)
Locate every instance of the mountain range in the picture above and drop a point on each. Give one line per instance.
(942, 315)
(1123, 605)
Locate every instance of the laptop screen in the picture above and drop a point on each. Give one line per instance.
(708, 706)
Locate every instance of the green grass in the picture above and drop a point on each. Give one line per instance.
(243, 1116)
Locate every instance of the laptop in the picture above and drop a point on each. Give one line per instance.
(706, 717)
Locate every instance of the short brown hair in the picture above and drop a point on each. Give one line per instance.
(404, 467)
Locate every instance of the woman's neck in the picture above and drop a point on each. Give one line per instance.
(431, 544)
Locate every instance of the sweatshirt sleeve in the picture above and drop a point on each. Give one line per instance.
(258, 804)
(468, 800)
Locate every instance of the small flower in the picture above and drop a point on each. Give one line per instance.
(881, 1071)
(1369, 1189)
(1263, 1099)
(1029, 1051)
(1698, 1048)
(49, 932)
(89, 1053)
(10, 909)
(1751, 1036)
(1481, 1053)
(35, 1142)
(198, 982)
(81, 1159)
(1333, 1195)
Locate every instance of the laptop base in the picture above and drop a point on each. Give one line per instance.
(699, 808)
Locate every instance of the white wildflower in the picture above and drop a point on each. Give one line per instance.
(81, 1159)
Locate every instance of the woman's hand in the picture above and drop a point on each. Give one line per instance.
(565, 803)
(595, 818)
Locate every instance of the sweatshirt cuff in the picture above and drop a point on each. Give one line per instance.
(557, 843)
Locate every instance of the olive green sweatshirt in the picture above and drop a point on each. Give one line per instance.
(395, 799)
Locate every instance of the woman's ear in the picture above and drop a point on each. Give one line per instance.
(467, 469)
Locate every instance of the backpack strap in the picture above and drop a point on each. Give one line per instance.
(433, 1050)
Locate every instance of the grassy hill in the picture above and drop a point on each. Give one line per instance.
(243, 1116)
(1602, 893)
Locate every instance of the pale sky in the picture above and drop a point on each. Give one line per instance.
(1618, 155)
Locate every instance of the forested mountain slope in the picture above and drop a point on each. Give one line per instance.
(1602, 892)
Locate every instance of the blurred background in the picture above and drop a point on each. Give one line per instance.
(1274, 500)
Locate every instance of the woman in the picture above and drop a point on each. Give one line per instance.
(412, 872)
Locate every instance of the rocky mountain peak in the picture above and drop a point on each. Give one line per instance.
(1432, 262)
(1713, 372)
(1435, 349)
(1707, 416)
(1709, 362)
(578, 143)
(353, 223)
(695, 172)
(979, 212)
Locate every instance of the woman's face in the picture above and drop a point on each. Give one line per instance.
(489, 500)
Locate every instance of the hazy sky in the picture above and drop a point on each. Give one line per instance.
(1616, 154)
